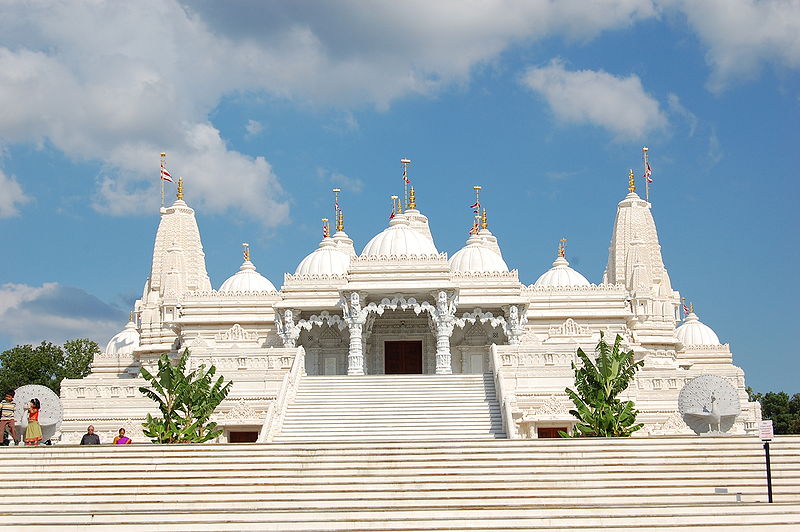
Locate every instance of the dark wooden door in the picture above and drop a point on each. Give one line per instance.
(243, 436)
(550, 432)
(403, 357)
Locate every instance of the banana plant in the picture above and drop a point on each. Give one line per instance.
(598, 410)
(186, 400)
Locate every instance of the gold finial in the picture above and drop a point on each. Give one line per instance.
(163, 154)
(484, 224)
(340, 221)
(562, 247)
(180, 188)
(326, 229)
(130, 316)
(246, 251)
(691, 307)
(631, 182)
(397, 205)
(412, 199)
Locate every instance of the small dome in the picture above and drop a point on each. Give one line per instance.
(247, 279)
(561, 275)
(399, 239)
(477, 257)
(124, 342)
(695, 332)
(327, 259)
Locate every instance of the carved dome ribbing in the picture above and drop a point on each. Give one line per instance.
(694, 332)
(247, 279)
(561, 275)
(399, 239)
(327, 259)
(124, 342)
(477, 257)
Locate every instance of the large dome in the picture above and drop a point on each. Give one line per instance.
(694, 332)
(561, 275)
(327, 259)
(247, 279)
(399, 239)
(124, 342)
(477, 257)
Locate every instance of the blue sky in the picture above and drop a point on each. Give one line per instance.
(263, 107)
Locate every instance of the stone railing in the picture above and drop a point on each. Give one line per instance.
(277, 409)
(504, 397)
(522, 360)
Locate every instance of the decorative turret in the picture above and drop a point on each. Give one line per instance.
(340, 238)
(178, 267)
(634, 260)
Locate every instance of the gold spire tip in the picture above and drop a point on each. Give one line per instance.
(691, 307)
(562, 247)
(130, 316)
(631, 182)
(163, 154)
(412, 199)
(246, 251)
(484, 223)
(645, 148)
(180, 188)
(405, 160)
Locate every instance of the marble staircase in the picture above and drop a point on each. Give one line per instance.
(590, 484)
(393, 407)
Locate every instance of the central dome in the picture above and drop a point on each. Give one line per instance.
(327, 259)
(124, 342)
(399, 239)
(561, 275)
(694, 332)
(247, 279)
(477, 257)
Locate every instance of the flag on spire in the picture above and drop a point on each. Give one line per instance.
(165, 176)
(476, 207)
(648, 172)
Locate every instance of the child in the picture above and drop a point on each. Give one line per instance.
(7, 409)
(33, 434)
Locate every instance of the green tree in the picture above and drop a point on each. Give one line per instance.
(46, 364)
(598, 410)
(186, 401)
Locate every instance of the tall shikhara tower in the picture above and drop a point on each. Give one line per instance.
(178, 267)
(634, 260)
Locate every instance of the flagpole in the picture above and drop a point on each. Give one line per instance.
(476, 211)
(405, 162)
(161, 176)
(646, 180)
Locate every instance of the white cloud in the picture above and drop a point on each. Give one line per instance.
(677, 108)
(346, 183)
(11, 196)
(742, 35)
(617, 104)
(55, 313)
(253, 128)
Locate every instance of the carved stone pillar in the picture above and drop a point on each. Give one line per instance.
(443, 318)
(355, 317)
(355, 355)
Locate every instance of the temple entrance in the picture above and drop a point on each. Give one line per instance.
(402, 357)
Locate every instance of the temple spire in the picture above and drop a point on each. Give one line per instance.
(484, 223)
(412, 199)
(631, 182)
(476, 210)
(326, 228)
(180, 189)
(246, 251)
(338, 218)
(562, 248)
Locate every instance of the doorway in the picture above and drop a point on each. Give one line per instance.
(550, 432)
(402, 357)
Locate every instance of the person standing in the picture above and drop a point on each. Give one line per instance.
(122, 439)
(90, 438)
(33, 433)
(7, 409)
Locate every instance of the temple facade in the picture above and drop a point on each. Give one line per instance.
(401, 306)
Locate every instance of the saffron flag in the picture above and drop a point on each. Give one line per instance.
(165, 175)
(685, 309)
(648, 172)
(476, 207)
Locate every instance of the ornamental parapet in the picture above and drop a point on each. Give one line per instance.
(719, 348)
(592, 288)
(433, 258)
(199, 295)
(314, 278)
(522, 359)
(513, 274)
